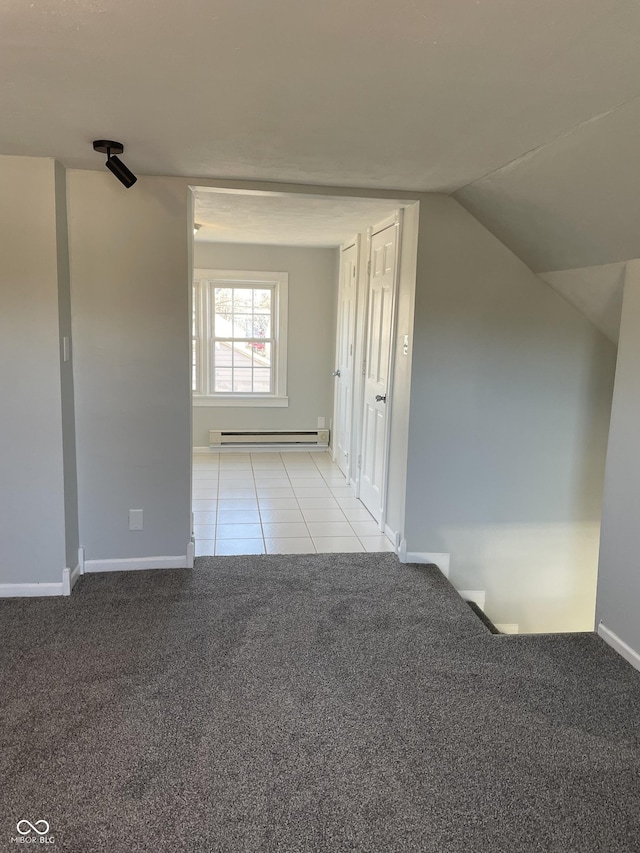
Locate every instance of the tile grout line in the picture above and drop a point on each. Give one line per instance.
(310, 537)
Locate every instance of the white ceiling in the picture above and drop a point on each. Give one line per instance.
(424, 95)
(276, 219)
(528, 109)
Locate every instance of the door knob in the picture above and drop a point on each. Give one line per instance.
(381, 398)
(336, 373)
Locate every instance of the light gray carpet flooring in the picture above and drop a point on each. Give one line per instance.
(308, 703)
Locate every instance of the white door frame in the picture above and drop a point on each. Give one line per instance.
(394, 220)
(351, 467)
(359, 359)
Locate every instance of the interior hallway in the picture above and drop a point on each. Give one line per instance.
(277, 503)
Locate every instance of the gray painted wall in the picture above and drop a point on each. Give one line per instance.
(510, 390)
(129, 280)
(130, 269)
(32, 517)
(510, 401)
(596, 291)
(619, 575)
(313, 281)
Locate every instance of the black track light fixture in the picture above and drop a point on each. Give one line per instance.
(114, 163)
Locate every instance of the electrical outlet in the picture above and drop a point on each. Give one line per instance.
(321, 422)
(135, 519)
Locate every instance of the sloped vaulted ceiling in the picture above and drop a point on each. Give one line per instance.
(528, 112)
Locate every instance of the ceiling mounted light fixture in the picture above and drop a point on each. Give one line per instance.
(114, 163)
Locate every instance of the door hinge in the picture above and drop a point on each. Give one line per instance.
(359, 461)
(368, 267)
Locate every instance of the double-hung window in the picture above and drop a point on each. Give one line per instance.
(239, 338)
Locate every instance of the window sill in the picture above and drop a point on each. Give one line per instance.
(254, 400)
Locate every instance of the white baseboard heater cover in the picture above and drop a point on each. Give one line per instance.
(317, 437)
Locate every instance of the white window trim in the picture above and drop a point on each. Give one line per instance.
(204, 278)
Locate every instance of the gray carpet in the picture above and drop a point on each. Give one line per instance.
(308, 703)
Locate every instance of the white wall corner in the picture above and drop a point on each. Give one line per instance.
(131, 564)
(440, 560)
(478, 596)
(624, 650)
(191, 553)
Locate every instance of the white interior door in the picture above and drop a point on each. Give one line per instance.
(380, 297)
(343, 409)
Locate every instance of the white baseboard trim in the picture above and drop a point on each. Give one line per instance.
(440, 560)
(134, 563)
(37, 590)
(624, 650)
(508, 627)
(478, 596)
(81, 560)
(191, 553)
(29, 590)
(263, 448)
(393, 536)
(70, 578)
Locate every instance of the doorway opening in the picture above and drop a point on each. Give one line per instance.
(294, 324)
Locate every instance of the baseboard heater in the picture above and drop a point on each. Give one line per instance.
(316, 437)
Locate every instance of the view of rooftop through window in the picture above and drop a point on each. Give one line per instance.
(243, 339)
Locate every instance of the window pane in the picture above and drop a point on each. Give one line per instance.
(223, 326)
(194, 311)
(262, 380)
(262, 301)
(261, 355)
(242, 355)
(242, 343)
(242, 300)
(242, 326)
(223, 300)
(261, 326)
(242, 380)
(222, 380)
(222, 354)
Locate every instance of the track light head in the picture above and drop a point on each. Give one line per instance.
(124, 175)
(114, 164)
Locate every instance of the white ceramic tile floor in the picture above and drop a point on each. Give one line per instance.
(277, 503)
